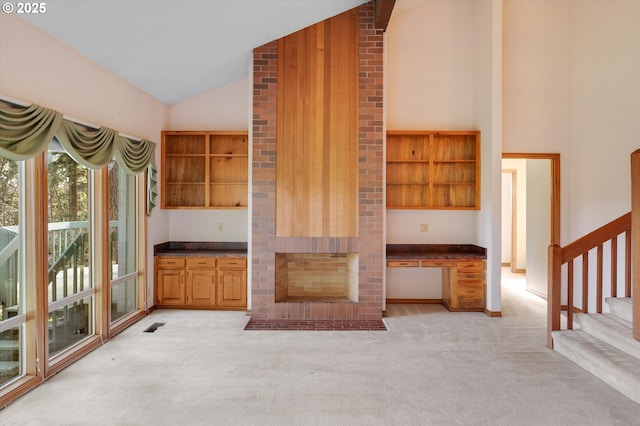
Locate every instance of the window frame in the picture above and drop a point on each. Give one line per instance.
(21, 318)
(36, 363)
(102, 210)
(54, 364)
(114, 327)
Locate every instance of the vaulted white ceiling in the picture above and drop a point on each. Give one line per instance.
(176, 49)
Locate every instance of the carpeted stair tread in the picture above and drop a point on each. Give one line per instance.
(613, 366)
(621, 307)
(612, 330)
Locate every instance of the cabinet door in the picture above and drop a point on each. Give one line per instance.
(202, 287)
(171, 287)
(232, 288)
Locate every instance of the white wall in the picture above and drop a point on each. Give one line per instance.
(538, 224)
(537, 86)
(203, 225)
(444, 71)
(487, 72)
(429, 47)
(403, 228)
(566, 83)
(605, 124)
(36, 68)
(508, 221)
(224, 108)
(429, 86)
(571, 86)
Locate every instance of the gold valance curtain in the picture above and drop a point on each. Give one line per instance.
(26, 132)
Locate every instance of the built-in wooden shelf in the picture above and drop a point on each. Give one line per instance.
(205, 170)
(433, 170)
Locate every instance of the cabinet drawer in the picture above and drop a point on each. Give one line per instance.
(403, 263)
(169, 262)
(228, 262)
(470, 265)
(439, 263)
(201, 262)
(470, 296)
(470, 289)
(470, 276)
(471, 304)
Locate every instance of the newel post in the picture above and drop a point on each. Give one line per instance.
(553, 291)
(635, 241)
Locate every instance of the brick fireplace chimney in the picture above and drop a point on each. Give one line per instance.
(362, 246)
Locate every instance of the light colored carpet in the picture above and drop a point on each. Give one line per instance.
(431, 367)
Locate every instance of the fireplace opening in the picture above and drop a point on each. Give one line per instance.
(316, 277)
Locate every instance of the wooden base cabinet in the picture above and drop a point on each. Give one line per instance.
(170, 287)
(232, 283)
(201, 282)
(170, 281)
(463, 286)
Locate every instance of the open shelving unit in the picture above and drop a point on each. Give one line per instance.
(204, 169)
(433, 170)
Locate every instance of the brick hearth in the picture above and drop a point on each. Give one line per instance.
(316, 325)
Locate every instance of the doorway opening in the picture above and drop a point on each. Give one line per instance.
(530, 216)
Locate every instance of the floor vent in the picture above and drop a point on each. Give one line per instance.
(153, 327)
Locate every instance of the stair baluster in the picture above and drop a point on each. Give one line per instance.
(579, 249)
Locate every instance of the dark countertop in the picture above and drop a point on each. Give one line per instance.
(201, 248)
(435, 251)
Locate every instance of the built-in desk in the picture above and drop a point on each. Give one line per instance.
(463, 270)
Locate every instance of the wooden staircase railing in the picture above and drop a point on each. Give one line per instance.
(629, 225)
(581, 248)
